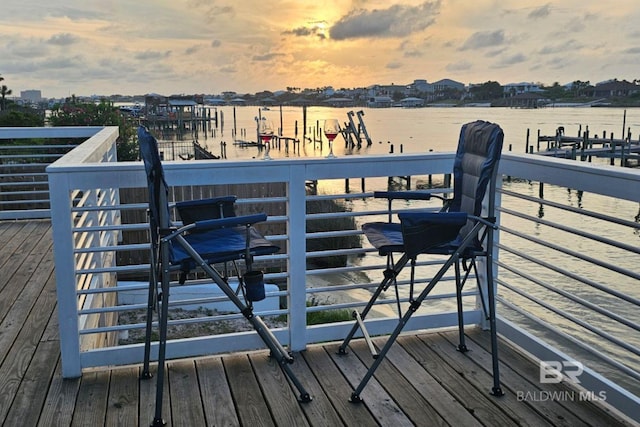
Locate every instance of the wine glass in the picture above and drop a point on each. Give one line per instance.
(331, 130)
(265, 131)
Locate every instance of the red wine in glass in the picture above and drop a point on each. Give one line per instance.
(265, 131)
(331, 130)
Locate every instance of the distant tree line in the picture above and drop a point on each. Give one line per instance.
(72, 112)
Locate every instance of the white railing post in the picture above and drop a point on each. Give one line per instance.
(63, 245)
(296, 285)
(482, 261)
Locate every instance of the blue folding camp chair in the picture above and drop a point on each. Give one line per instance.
(211, 233)
(460, 232)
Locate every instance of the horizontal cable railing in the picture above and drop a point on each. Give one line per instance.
(24, 188)
(567, 272)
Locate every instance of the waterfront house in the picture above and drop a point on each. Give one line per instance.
(380, 102)
(615, 88)
(412, 102)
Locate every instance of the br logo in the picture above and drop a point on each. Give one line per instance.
(553, 371)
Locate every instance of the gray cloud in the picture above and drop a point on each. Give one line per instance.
(510, 60)
(216, 43)
(393, 65)
(307, 31)
(152, 54)
(396, 21)
(212, 12)
(228, 69)
(463, 65)
(569, 45)
(632, 50)
(266, 56)
(62, 39)
(495, 52)
(482, 39)
(412, 53)
(301, 31)
(191, 50)
(540, 12)
(25, 48)
(69, 62)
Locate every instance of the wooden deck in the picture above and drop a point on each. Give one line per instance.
(423, 382)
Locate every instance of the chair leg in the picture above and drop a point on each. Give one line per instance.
(162, 342)
(146, 374)
(282, 356)
(496, 390)
(151, 302)
(462, 347)
(355, 396)
(390, 275)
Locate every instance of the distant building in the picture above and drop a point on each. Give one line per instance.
(421, 85)
(518, 88)
(447, 84)
(32, 96)
(412, 102)
(615, 88)
(380, 102)
(339, 102)
(215, 101)
(526, 100)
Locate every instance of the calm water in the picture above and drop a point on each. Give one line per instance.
(437, 129)
(416, 130)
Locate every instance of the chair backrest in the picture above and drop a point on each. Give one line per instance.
(158, 189)
(475, 168)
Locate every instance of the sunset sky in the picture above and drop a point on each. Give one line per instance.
(86, 47)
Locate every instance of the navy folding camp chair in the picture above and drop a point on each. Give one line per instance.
(460, 231)
(210, 234)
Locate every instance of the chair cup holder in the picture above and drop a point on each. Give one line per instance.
(254, 285)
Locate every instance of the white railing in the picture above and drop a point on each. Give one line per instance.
(24, 155)
(87, 212)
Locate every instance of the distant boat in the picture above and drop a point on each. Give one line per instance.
(133, 110)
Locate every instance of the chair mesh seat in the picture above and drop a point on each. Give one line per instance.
(222, 244)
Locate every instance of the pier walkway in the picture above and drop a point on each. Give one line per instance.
(423, 382)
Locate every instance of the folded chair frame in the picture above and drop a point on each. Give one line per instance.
(166, 240)
(459, 255)
(458, 232)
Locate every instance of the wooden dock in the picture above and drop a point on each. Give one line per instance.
(423, 382)
(626, 152)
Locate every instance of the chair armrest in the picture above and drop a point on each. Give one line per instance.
(229, 221)
(488, 221)
(199, 202)
(406, 195)
(444, 218)
(232, 221)
(211, 224)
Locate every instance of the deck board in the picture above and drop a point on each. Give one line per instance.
(589, 414)
(415, 405)
(423, 381)
(218, 403)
